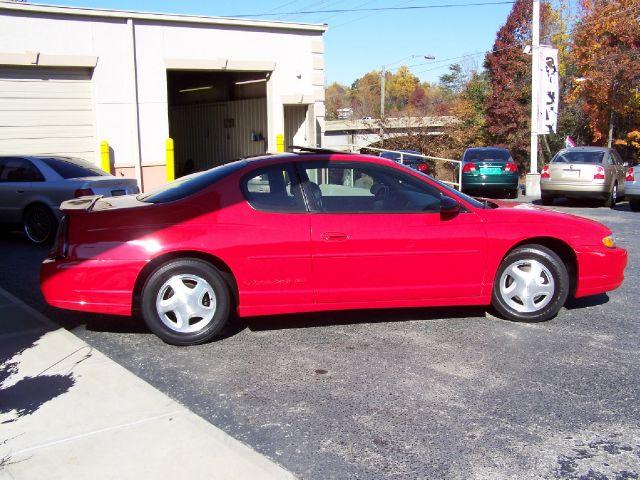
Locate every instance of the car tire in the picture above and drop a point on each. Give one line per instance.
(39, 224)
(634, 205)
(201, 304)
(546, 274)
(612, 199)
(547, 200)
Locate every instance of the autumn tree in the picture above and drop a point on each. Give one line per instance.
(400, 86)
(509, 69)
(336, 97)
(606, 51)
(364, 95)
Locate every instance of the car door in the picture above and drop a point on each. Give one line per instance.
(16, 182)
(377, 235)
(276, 270)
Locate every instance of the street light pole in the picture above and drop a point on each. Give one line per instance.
(533, 179)
(383, 89)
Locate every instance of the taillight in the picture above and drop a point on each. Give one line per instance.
(630, 176)
(82, 192)
(59, 249)
(469, 167)
(422, 167)
(545, 172)
(511, 167)
(599, 175)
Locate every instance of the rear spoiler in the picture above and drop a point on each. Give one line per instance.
(83, 203)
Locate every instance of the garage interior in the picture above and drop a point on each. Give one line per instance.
(216, 117)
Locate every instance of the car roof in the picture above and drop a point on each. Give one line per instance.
(586, 149)
(470, 149)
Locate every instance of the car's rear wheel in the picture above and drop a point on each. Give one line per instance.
(531, 284)
(613, 197)
(634, 205)
(547, 199)
(513, 193)
(39, 224)
(185, 302)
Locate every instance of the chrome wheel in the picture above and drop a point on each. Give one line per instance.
(186, 303)
(38, 224)
(527, 286)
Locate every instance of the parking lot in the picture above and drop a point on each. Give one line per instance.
(417, 393)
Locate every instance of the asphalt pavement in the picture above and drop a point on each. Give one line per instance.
(419, 393)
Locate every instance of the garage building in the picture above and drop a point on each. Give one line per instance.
(220, 88)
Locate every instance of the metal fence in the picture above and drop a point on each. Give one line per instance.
(456, 163)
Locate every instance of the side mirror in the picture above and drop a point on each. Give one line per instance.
(449, 206)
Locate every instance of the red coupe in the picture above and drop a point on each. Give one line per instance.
(316, 232)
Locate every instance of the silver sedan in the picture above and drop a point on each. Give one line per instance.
(33, 187)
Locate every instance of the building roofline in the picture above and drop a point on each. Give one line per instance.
(163, 17)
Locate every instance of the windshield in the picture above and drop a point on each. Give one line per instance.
(185, 186)
(479, 155)
(73, 167)
(581, 156)
(455, 193)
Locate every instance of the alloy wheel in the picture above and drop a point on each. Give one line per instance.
(38, 225)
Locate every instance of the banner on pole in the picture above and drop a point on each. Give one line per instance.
(549, 100)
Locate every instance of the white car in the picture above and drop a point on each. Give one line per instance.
(632, 188)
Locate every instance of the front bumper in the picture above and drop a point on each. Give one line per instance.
(600, 269)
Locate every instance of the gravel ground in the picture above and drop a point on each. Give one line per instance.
(420, 393)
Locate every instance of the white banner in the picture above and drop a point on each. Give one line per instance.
(549, 88)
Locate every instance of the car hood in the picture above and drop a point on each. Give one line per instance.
(522, 213)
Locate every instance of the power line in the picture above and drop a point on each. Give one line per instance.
(377, 9)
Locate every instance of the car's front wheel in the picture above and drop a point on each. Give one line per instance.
(531, 284)
(185, 302)
(39, 224)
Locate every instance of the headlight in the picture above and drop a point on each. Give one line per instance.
(609, 241)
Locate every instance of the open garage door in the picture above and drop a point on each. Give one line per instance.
(46, 111)
(216, 116)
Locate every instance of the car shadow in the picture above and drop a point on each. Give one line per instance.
(572, 202)
(347, 317)
(584, 302)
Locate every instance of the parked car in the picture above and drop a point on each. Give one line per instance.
(32, 188)
(489, 170)
(411, 158)
(632, 187)
(317, 239)
(584, 172)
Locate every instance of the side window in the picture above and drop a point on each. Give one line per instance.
(364, 188)
(273, 189)
(19, 170)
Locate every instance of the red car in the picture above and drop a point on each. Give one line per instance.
(317, 232)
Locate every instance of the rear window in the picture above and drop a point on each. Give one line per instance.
(185, 186)
(486, 154)
(578, 157)
(73, 167)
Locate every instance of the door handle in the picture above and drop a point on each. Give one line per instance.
(334, 237)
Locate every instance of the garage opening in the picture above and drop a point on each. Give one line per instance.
(216, 117)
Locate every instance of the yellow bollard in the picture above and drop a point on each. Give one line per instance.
(280, 143)
(105, 156)
(171, 162)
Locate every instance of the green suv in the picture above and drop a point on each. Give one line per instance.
(489, 169)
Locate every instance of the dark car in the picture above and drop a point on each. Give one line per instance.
(489, 170)
(410, 158)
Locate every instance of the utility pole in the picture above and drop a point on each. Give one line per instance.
(383, 79)
(533, 178)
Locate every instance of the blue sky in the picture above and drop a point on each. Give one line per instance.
(360, 42)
